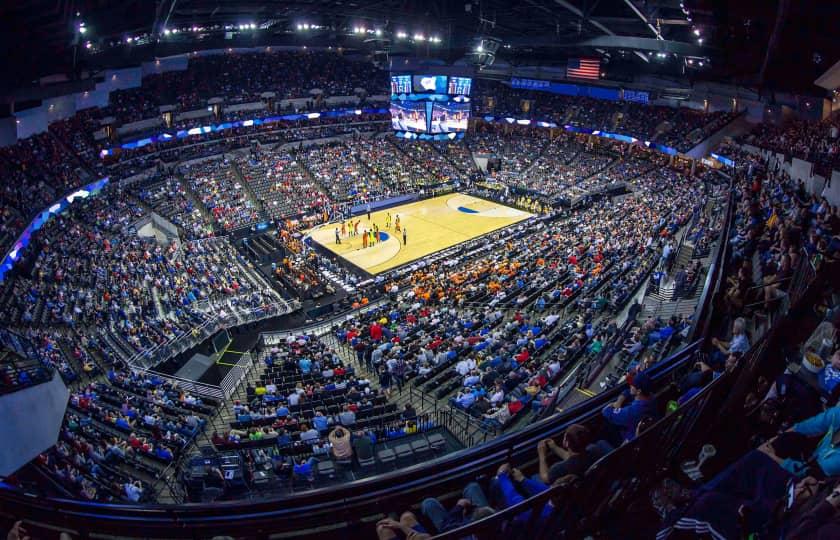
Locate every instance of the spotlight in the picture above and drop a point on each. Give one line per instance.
(82, 28)
(700, 63)
(300, 27)
(88, 45)
(480, 48)
(401, 35)
(700, 41)
(378, 32)
(167, 31)
(253, 26)
(696, 31)
(419, 37)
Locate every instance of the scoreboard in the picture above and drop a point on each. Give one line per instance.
(430, 106)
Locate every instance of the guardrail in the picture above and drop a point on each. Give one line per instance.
(189, 338)
(714, 277)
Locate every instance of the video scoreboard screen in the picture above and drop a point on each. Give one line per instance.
(459, 86)
(451, 117)
(400, 84)
(429, 84)
(430, 106)
(409, 116)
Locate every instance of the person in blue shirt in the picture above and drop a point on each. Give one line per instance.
(282, 411)
(830, 375)
(504, 492)
(739, 342)
(320, 422)
(745, 495)
(305, 365)
(827, 453)
(624, 418)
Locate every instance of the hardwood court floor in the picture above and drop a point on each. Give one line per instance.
(431, 225)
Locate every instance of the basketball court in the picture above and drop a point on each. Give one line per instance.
(431, 225)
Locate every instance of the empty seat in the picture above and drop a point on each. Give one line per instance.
(326, 468)
(403, 451)
(437, 442)
(420, 446)
(386, 456)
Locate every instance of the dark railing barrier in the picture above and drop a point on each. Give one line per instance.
(714, 278)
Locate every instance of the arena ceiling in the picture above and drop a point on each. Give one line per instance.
(754, 42)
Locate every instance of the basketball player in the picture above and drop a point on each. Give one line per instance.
(337, 237)
(388, 220)
(405, 237)
(364, 240)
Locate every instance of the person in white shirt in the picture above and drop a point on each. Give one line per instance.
(294, 399)
(497, 396)
(465, 366)
(133, 491)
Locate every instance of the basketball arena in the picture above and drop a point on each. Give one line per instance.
(380, 270)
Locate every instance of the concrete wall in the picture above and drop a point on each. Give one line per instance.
(27, 434)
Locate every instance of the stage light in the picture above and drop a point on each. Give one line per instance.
(82, 29)
(700, 63)
(479, 48)
(401, 35)
(253, 26)
(167, 31)
(88, 45)
(690, 61)
(419, 37)
(378, 32)
(300, 27)
(699, 41)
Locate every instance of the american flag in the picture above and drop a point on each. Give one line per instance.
(584, 68)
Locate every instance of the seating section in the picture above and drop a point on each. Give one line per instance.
(517, 150)
(281, 185)
(815, 142)
(217, 187)
(436, 165)
(681, 128)
(168, 197)
(244, 76)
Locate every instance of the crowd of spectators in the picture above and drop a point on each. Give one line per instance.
(168, 197)
(817, 142)
(243, 77)
(281, 184)
(221, 192)
(678, 127)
